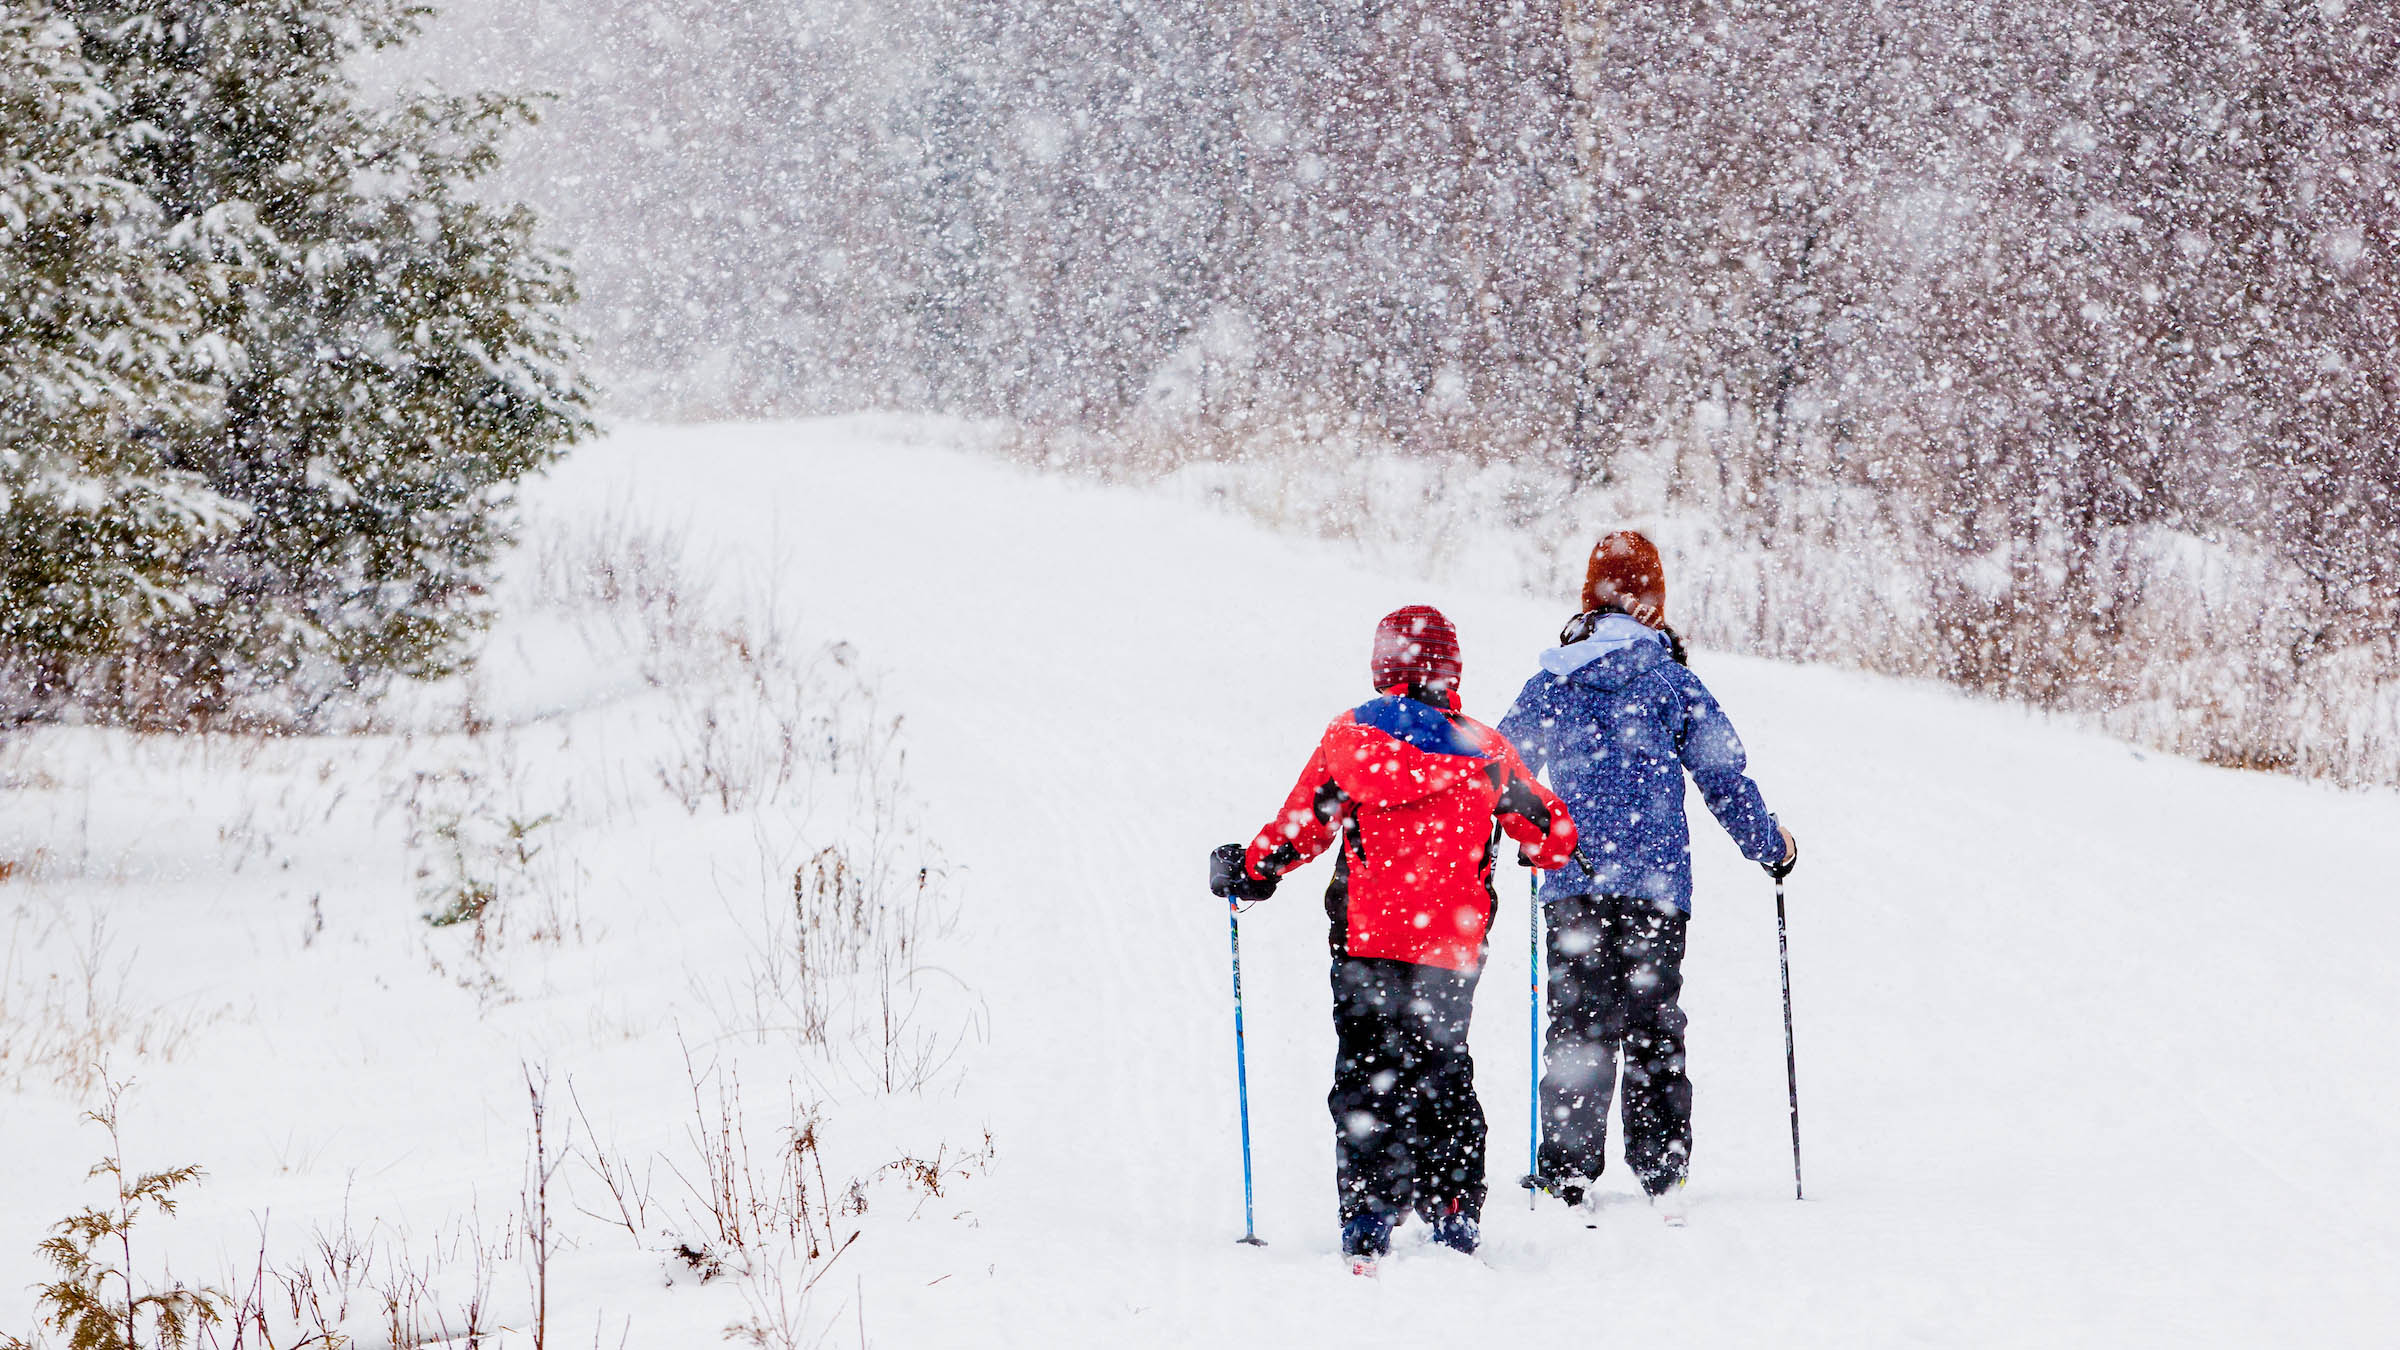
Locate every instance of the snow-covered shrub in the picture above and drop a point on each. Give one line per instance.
(392, 355)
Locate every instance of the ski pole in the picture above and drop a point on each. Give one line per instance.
(1533, 1034)
(1791, 1063)
(1241, 1070)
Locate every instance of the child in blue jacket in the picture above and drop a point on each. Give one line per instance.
(1614, 721)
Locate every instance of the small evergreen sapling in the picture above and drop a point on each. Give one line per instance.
(94, 1300)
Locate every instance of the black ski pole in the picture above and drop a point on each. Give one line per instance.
(1791, 1062)
(1533, 1038)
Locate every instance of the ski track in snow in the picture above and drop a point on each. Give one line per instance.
(2094, 1046)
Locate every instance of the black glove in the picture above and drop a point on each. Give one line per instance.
(1229, 879)
(1791, 856)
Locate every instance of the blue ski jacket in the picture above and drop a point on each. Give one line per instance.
(1613, 722)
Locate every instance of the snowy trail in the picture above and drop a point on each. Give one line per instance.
(2094, 1047)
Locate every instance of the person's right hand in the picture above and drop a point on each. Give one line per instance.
(1229, 876)
(1791, 855)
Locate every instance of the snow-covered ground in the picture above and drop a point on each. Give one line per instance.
(2095, 1047)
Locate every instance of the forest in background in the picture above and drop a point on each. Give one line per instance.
(2045, 350)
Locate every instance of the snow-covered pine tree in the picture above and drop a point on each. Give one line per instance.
(103, 366)
(406, 358)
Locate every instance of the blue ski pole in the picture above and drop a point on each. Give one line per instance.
(1241, 1070)
(1533, 1032)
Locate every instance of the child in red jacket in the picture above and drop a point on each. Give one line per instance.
(1418, 793)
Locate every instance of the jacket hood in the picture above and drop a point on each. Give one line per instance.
(1619, 649)
(1395, 751)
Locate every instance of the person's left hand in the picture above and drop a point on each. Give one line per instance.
(1791, 855)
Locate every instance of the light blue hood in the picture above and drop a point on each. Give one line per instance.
(1614, 633)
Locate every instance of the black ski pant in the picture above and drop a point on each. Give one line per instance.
(1407, 1129)
(1616, 970)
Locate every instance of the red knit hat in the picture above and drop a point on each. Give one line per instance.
(1625, 575)
(1416, 645)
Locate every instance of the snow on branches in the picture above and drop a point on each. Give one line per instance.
(105, 364)
(275, 365)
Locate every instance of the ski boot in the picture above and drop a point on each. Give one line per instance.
(1456, 1229)
(1366, 1238)
(1573, 1191)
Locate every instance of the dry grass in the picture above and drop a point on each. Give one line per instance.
(760, 729)
(70, 1006)
(2202, 648)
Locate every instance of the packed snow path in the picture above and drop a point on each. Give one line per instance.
(2095, 1047)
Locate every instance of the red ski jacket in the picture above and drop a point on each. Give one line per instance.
(1414, 794)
